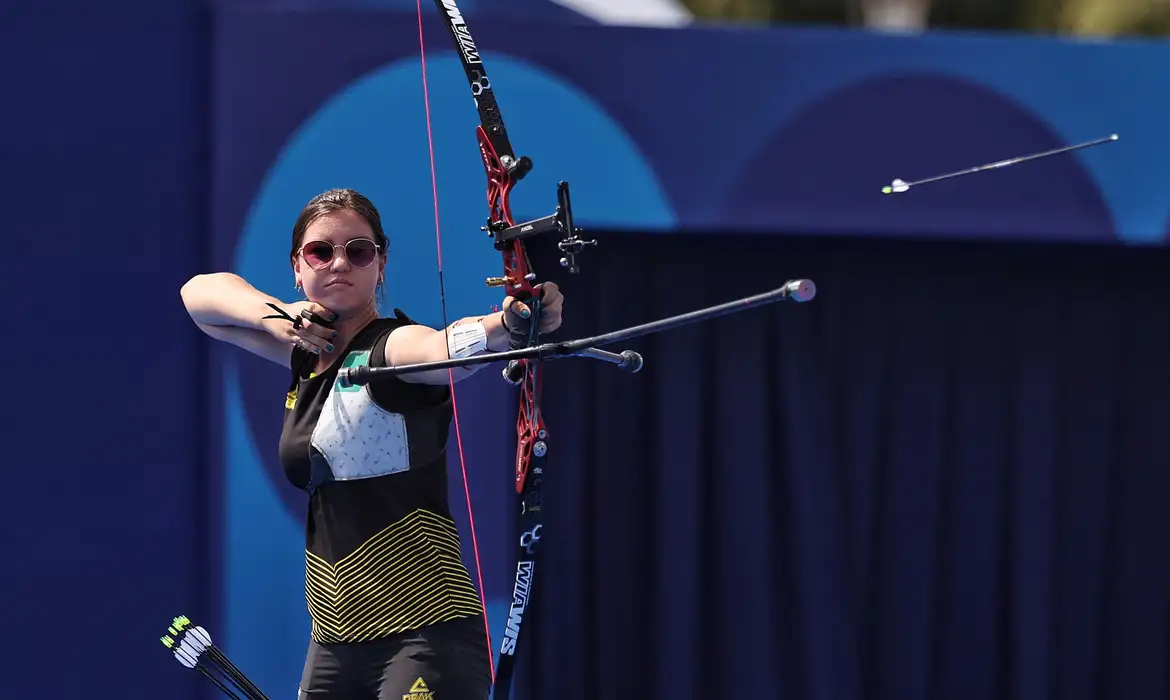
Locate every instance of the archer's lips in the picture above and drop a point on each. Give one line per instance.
(334, 283)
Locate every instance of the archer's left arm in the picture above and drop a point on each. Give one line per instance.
(473, 335)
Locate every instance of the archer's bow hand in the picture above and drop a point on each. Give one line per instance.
(518, 313)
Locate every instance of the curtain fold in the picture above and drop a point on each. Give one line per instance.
(945, 477)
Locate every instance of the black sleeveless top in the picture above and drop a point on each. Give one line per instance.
(381, 550)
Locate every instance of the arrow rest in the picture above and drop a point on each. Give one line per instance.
(571, 246)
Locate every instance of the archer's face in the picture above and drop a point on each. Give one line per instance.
(338, 264)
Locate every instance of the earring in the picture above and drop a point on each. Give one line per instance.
(298, 287)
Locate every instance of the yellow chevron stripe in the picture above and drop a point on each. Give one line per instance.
(389, 598)
(323, 634)
(391, 556)
(401, 616)
(406, 576)
(413, 518)
(437, 590)
(322, 637)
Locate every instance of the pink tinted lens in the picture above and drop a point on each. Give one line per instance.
(361, 252)
(317, 253)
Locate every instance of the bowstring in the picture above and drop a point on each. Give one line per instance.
(451, 371)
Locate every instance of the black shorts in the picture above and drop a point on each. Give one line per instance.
(447, 661)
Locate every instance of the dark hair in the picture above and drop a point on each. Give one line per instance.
(338, 200)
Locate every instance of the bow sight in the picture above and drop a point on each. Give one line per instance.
(571, 244)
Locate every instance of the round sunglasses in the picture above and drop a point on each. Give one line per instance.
(360, 252)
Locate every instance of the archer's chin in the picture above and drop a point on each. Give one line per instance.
(343, 299)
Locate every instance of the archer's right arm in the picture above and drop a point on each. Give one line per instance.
(227, 308)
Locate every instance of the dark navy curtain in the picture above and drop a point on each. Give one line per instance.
(945, 478)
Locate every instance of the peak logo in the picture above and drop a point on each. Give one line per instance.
(419, 691)
(462, 36)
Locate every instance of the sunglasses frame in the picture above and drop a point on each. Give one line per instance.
(344, 251)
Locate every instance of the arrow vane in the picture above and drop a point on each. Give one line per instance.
(193, 648)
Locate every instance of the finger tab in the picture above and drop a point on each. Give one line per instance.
(313, 317)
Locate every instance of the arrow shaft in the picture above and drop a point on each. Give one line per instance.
(1017, 160)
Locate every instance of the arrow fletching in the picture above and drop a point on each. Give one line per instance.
(192, 647)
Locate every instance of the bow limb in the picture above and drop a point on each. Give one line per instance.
(503, 170)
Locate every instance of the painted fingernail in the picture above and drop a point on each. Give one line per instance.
(329, 347)
(334, 334)
(525, 312)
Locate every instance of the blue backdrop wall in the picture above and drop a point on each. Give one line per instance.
(104, 166)
(145, 143)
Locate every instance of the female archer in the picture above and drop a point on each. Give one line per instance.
(392, 607)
